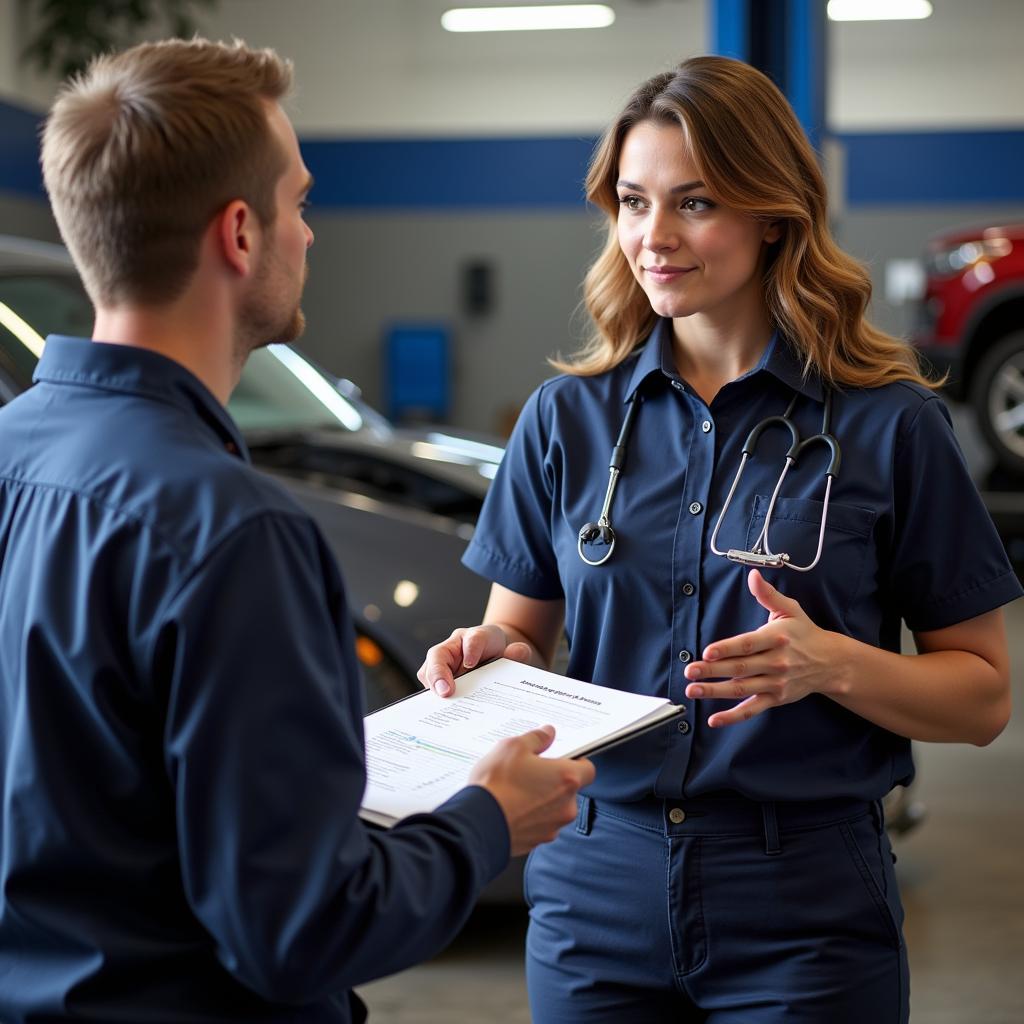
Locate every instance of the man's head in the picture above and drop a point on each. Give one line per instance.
(143, 152)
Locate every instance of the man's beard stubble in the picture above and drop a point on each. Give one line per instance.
(267, 317)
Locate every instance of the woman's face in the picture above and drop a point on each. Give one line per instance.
(690, 254)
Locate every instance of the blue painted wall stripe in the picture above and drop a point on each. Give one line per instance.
(917, 168)
(906, 168)
(887, 168)
(449, 172)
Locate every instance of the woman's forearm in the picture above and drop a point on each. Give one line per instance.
(938, 696)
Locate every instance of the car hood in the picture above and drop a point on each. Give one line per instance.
(461, 455)
(463, 462)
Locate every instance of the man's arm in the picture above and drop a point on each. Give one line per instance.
(265, 752)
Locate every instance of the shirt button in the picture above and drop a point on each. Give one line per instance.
(683, 727)
(684, 656)
(688, 589)
(696, 508)
(706, 426)
(677, 815)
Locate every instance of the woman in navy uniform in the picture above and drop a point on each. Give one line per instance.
(734, 867)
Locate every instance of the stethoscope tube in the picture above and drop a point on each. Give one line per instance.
(603, 527)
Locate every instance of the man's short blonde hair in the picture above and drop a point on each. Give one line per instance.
(145, 147)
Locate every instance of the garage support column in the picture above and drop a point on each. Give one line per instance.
(786, 39)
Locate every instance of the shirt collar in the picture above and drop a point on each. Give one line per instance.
(137, 371)
(778, 359)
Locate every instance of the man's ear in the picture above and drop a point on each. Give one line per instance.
(237, 233)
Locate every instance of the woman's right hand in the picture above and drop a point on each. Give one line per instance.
(467, 647)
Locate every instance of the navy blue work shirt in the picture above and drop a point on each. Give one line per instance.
(181, 743)
(907, 538)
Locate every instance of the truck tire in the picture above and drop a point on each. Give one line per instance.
(997, 396)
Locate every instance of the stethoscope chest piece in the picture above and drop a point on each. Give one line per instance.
(601, 530)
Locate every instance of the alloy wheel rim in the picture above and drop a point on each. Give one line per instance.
(1006, 404)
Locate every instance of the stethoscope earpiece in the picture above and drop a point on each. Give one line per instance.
(761, 555)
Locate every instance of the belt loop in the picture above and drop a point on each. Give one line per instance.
(772, 845)
(585, 816)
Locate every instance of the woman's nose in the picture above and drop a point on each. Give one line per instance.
(660, 235)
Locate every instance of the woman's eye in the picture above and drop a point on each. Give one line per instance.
(694, 204)
(631, 202)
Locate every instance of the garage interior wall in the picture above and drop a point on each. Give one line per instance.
(21, 212)
(393, 247)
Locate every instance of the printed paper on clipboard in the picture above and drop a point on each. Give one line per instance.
(420, 750)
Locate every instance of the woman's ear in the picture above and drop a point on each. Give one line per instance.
(772, 232)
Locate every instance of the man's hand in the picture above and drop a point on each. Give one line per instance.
(466, 648)
(782, 662)
(537, 794)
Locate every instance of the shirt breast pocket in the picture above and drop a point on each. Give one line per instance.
(832, 585)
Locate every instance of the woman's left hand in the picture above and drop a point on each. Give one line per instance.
(782, 662)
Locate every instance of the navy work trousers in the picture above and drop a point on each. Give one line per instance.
(722, 911)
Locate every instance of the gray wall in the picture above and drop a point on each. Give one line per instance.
(368, 270)
(29, 218)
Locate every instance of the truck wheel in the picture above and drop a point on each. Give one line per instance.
(997, 395)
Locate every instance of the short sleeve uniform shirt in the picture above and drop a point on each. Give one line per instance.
(908, 539)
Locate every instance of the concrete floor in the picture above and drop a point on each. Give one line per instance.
(961, 874)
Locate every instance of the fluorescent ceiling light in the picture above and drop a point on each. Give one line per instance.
(879, 10)
(526, 19)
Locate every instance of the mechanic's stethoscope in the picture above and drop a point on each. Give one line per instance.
(762, 555)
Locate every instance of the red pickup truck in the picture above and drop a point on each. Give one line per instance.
(972, 325)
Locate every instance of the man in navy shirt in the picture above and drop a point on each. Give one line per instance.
(181, 752)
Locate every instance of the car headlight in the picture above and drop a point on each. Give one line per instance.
(956, 258)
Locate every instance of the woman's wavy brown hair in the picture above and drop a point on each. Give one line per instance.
(753, 156)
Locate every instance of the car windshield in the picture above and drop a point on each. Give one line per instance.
(280, 390)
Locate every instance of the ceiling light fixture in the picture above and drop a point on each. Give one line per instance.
(879, 10)
(527, 19)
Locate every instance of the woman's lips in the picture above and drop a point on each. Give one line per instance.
(665, 274)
